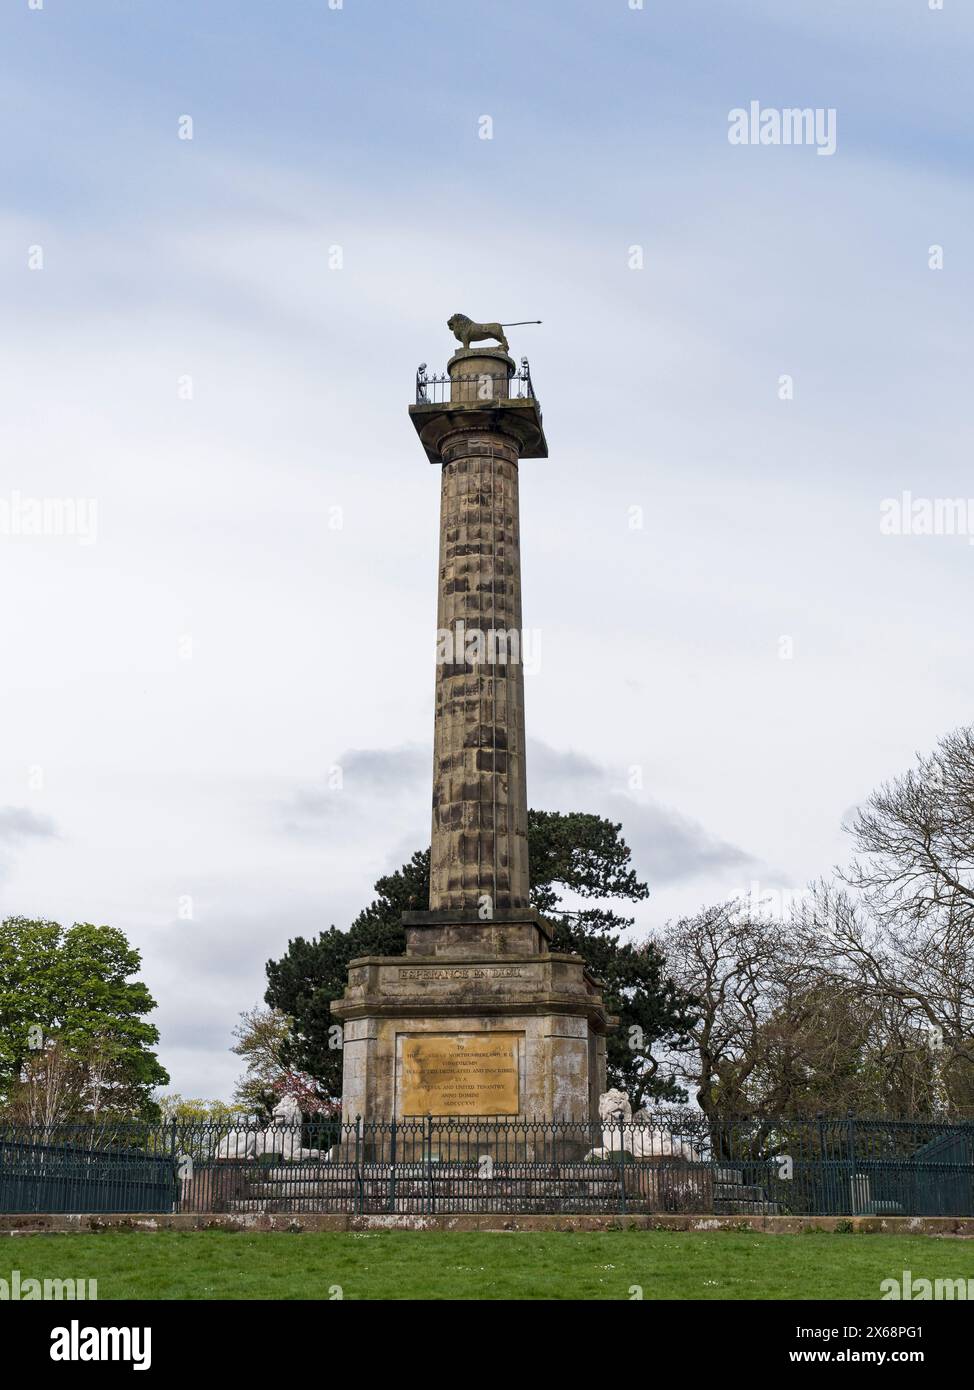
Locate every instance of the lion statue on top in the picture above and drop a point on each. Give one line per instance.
(467, 332)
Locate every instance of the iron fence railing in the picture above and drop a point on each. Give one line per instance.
(40, 1173)
(440, 388)
(663, 1161)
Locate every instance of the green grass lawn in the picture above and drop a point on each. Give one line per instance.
(434, 1265)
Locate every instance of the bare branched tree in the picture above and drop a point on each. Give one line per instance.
(732, 962)
(50, 1090)
(915, 840)
(801, 1016)
(864, 998)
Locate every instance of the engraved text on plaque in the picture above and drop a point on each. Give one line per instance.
(460, 1074)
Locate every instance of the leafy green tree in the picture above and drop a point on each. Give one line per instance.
(186, 1109)
(261, 1035)
(73, 987)
(585, 856)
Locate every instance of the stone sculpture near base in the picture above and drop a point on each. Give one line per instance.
(624, 1132)
(282, 1137)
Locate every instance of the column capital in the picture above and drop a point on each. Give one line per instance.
(518, 420)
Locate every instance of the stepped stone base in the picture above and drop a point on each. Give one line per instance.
(732, 1195)
(455, 1188)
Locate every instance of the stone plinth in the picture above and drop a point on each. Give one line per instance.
(547, 1007)
(516, 932)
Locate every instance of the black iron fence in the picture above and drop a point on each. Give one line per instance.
(73, 1173)
(676, 1161)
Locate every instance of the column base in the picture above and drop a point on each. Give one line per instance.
(514, 1037)
(458, 932)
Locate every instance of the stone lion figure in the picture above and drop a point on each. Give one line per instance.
(467, 332)
(637, 1134)
(613, 1106)
(282, 1136)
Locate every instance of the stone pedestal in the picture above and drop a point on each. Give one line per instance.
(472, 1032)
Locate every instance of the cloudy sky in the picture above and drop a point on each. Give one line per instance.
(209, 349)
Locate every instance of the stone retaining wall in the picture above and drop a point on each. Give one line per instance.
(37, 1224)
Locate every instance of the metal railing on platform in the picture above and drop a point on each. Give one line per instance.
(440, 388)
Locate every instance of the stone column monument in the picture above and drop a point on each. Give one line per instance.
(479, 1017)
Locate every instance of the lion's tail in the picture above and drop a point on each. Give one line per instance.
(519, 323)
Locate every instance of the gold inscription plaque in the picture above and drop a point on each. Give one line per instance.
(460, 1074)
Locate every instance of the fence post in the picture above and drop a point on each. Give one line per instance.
(622, 1161)
(392, 1166)
(825, 1182)
(854, 1184)
(430, 1194)
(177, 1182)
(359, 1178)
